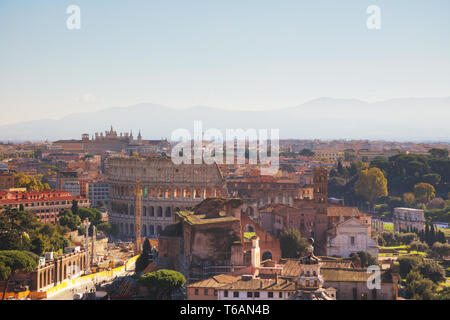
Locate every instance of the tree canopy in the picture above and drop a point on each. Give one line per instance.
(162, 283)
(12, 261)
(292, 244)
(371, 184)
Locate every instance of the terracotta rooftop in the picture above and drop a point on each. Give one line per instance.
(261, 284)
(344, 211)
(216, 281)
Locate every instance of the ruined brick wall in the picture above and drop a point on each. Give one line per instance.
(267, 242)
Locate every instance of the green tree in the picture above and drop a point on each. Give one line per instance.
(441, 249)
(13, 261)
(418, 246)
(110, 229)
(371, 185)
(292, 244)
(432, 270)
(143, 260)
(364, 259)
(424, 192)
(409, 199)
(74, 208)
(438, 153)
(162, 283)
(70, 220)
(408, 263)
(306, 153)
(22, 180)
(432, 178)
(419, 288)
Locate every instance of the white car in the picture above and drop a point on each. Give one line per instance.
(78, 296)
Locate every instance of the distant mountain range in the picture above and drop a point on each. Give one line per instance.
(406, 119)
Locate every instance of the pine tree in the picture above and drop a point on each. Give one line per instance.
(75, 207)
(441, 237)
(427, 234)
(433, 234)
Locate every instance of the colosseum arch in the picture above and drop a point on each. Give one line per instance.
(267, 255)
(249, 228)
(160, 212)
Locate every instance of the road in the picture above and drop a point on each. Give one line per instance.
(82, 288)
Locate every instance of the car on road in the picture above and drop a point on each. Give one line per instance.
(78, 296)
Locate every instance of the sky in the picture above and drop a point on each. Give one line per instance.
(230, 54)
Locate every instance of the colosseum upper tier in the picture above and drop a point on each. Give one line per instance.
(167, 188)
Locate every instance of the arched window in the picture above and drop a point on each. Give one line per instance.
(267, 255)
(152, 211)
(152, 229)
(158, 229)
(160, 212)
(144, 230)
(168, 212)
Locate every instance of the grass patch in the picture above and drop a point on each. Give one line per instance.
(446, 231)
(249, 235)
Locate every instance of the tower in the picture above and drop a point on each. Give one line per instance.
(138, 193)
(320, 225)
(320, 183)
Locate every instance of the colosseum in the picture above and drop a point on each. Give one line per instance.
(167, 188)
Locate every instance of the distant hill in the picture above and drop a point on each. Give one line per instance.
(412, 119)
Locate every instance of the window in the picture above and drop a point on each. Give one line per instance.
(225, 293)
(249, 294)
(352, 240)
(270, 294)
(256, 294)
(196, 292)
(280, 294)
(236, 294)
(206, 292)
(355, 293)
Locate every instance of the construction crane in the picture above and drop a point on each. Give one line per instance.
(138, 193)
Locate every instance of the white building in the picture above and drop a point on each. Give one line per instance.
(350, 236)
(408, 219)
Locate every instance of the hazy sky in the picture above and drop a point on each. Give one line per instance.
(237, 54)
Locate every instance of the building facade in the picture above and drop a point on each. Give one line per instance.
(167, 188)
(408, 219)
(349, 237)
(6, 180)
(46, 205)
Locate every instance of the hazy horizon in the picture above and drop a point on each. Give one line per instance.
(233, 55)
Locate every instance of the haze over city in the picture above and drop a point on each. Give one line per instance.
(257, 55)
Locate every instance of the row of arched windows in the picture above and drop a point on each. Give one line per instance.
(147, 229)
(169, 193)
